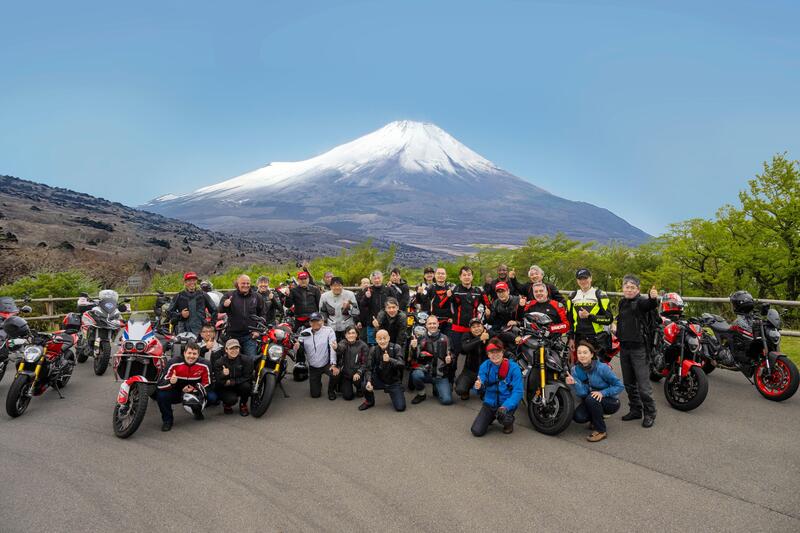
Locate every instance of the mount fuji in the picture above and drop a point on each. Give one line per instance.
(407, 182)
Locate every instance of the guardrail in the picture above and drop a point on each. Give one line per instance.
(51, 315)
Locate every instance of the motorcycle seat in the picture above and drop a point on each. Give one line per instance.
(721, 327)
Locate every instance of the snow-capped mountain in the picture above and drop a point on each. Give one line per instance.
(408, 181)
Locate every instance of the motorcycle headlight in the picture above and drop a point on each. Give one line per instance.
(275, 352)
(129, 346)
(693, 343)
(773, 336)
(139, 346)
(32, 354)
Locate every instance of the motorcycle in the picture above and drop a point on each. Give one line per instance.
(677, 354)
(751, 345)
(47, 362)
(99, 329)
(544, 359)
(276, 344)
(9, 352)
(137, 364)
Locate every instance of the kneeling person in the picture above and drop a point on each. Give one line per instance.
(427, 353)
(352, 354)
(232, 377)
(184, 375)
(501, 380)
(597, 388)
(385, 371)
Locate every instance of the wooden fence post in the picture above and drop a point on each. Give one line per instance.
(49, 307)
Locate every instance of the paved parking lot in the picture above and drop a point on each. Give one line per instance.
(732, 465)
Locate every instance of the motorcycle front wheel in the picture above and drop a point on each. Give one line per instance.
(18, 397)
(687, 393)
(553, 417)
(128, 418)
(780, 383)
(262, 397)
(102, 358)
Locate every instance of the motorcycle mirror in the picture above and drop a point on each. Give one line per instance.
(26, 309)
(126, 299)
(26, 298)
(160, 293)
(122, 307)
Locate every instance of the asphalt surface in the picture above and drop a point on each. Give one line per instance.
(310, 465)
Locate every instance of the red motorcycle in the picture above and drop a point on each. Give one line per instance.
(48, 360)
(677, 356)
(138, 364)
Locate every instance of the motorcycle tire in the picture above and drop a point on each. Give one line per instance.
(102, 359)
(18, 399)
(261, 400)
(138, 398)
(558, 417)
(696, 380)
(781, 384)
(83, 351)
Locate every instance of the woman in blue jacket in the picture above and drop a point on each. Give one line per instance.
(501, 381)
(597, 388)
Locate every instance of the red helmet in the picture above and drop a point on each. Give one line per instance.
(672, 303)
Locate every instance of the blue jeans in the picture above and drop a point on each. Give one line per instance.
(249, 345)
(420, 377)
(371, 336)
(592, 410)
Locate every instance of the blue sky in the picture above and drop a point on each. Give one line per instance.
(659, 111)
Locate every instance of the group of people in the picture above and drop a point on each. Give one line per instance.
(363, 341)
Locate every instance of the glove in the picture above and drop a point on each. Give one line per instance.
(502, 412)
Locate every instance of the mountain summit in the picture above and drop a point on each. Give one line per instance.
(408, 181)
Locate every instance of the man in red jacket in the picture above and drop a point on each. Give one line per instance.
(465, 300)
(185, 374)
(552, 308)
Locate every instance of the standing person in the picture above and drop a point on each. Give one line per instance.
(304, 298)
(363, 320)
(393, 320)
(184, 374)
(631, 320)
(273, 306)
(384, 372)
(318, 343)
(352, 354)
(501, 381)
(465, 299)
(421, 301)
(441, 303)
(327, 277)
(430, 362)
(597, 389)
(240, 305)
(233, 375)
(372, 302)
(473, 346)
(536, 275)
(503, 276)
(338, 307)
(189, 307)
(399, 289)
(588, 313)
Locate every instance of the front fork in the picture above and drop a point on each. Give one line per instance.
(36, 373)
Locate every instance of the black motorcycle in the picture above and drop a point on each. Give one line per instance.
(10, 348)
(751, 345)
(544, 359)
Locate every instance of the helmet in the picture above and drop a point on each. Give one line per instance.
(672, 303)
(16, 327)
(194, 402)
(742, 302)
(8, 307)
(300, 372)
(72, 322)
(206, 286)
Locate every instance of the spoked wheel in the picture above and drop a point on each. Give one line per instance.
(262, 398)
(128, 417)
(688, 392)
(19, 395)
(101, 359)
(780, 383)
(552, 417)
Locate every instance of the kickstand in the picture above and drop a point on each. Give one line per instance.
(55, 386)
(280, 386)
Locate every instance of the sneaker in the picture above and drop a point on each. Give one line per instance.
(364, 406)
(227, 409)
(419, 398)
(648, 421)
(596, 436)
(632, 416)
(166, 426)
(508, 429)
(243, 410)
(331, 396)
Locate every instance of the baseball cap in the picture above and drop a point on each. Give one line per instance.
(501, 286)
(315, 316)
(583, 273)
(302, 274)
(232, 343)
(475, 320)
(189, 275)
(493, 348)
